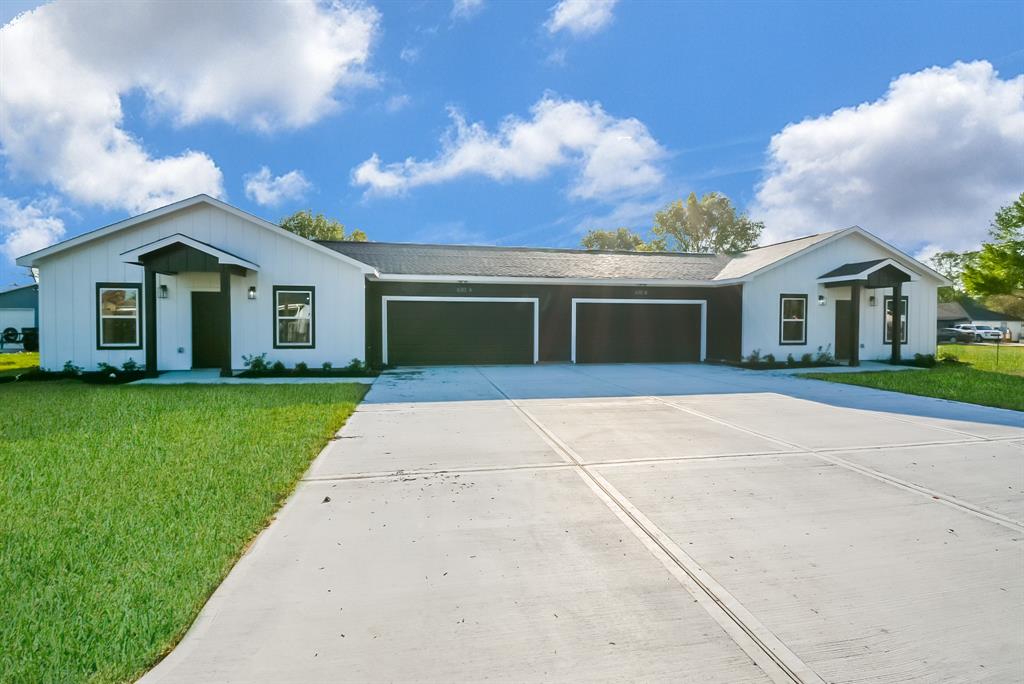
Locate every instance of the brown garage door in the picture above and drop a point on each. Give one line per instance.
(422, 333)
(637, 333)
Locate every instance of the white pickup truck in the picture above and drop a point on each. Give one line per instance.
(981, 333)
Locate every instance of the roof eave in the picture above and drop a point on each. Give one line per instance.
(540, 280)
(134, 256)
(31, 259)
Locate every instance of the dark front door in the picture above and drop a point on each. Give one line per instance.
(844, 333)
(207, 330)
(446, 332)
(637, 333)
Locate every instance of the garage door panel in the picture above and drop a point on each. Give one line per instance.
(449, 333)
(637, 333)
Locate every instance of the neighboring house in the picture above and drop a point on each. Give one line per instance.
(19, 309)
(224, 284)
(969, 311)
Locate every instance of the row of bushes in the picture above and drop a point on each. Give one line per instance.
(105, 374)
(756, 360)
(825, 358)
(257, 366)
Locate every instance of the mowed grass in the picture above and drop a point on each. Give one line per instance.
(977, 381)
(122, 508)
(18, 362)
(1002, 359)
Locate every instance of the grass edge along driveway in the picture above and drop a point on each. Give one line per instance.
(125, 507)
(976, 380)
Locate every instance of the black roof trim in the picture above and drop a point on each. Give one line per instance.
(854, 268)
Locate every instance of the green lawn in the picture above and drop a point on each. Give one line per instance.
(12, 364)
(978, 380)
(122, 508)
(988, 357)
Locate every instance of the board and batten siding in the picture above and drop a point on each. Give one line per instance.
(67, 294)
(800, 275)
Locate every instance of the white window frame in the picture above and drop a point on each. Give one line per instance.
(703, 303)
(414, 298)
(783, 320)
(137, 342)
(293, 289)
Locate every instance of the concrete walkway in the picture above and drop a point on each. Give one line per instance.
(635, 523)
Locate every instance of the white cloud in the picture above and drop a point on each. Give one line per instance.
(25, 228)
(67, 65)
(614, 158)
(927, 164)
(580, 17)
(268, 190)
(409, 55)
(466, 9)
(397, 103)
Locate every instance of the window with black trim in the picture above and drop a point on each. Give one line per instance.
(793, 319)
(887, 309)
(294, 316)
(118, 316)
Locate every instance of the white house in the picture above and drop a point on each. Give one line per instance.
(200, 283)
(18, 308)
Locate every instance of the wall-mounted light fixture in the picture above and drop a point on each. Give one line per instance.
(252, 292)
(162, 292)
(871, 300)
(821, 300)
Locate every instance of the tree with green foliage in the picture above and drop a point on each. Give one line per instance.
(951, 265)
(708, 224)
(998, 269)
(319, 227)
(622, 239)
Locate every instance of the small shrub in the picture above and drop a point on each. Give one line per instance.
(72, 369)
(790, 361)
(131, 365)
(806, 359)
(277, 366)
(824, 355)
(754, 358)
(327, 365)
(924, 360)
(355, 366)
(768, 360)
(106, 368)
(256, 362)
(301, 366)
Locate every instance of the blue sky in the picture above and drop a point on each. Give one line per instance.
(904, 118)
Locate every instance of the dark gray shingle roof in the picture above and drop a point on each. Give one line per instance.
(528, 262)
(951, 311)
(852, 269)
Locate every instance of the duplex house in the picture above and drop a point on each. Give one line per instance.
(201, 284)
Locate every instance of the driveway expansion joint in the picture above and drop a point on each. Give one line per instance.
(745, 630)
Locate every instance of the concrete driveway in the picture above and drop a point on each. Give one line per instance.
(635, 523)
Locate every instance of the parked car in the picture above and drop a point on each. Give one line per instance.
(955, 335)
(980, 333)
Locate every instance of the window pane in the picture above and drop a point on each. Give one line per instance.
(294, 304)
(119, 330)
(793, 308)
(294, 331)
(119, 302)
(888, 320)
(793, 331)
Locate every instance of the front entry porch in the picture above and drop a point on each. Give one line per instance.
(210, 317)
(878, 274)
